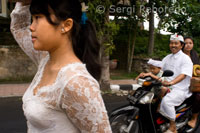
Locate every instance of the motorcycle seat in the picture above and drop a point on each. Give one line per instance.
(188, 102)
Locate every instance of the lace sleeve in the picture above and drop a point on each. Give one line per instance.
(82, 101)
(20, 22)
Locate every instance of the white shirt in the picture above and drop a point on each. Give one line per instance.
(179, 63)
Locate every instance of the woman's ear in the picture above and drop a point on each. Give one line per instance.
(67, 25)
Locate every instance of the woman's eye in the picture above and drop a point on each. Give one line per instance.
(37, 17)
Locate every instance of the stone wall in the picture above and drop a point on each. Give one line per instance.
(15, 65)
(140, 65)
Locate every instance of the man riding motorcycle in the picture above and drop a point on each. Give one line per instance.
(182, 66)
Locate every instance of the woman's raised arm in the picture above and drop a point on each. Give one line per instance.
(20, 22)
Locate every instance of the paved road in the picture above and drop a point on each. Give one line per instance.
(11, 116)
(12, 119)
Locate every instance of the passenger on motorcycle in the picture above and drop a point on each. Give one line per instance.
(189, 50)
(182, 66)
(155, 72)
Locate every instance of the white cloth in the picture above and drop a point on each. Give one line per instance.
(177, 37)
(160, 74)
(155, 63)
(72, 104)
(179, 63)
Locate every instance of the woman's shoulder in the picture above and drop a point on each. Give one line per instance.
(76, 74)
(76, 70)
(195, 57)
(194, 53)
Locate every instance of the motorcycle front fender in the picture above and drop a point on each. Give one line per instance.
(125, 109)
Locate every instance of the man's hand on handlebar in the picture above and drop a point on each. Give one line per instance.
(166, 83)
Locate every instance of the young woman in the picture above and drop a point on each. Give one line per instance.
(63, 96)
(189, 44)
(188, 49)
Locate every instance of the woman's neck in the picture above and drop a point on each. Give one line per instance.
(187, 52)
(62, 56)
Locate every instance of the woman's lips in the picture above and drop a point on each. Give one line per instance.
(34, 39)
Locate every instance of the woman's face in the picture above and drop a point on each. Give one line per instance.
(188, 44)
(45, 36)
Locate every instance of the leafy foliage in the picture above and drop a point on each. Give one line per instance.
(183, 18)
(106, 29)
(180, 17)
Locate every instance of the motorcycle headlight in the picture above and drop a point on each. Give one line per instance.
(147, 98)
(140, 81)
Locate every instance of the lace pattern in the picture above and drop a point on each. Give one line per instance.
(84, 105)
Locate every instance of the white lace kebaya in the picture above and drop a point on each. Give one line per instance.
(71, 104)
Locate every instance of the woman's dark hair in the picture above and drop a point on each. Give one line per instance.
(83, 36)
(189, 38)
(183, 44)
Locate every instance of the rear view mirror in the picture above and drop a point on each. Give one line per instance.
(167, 73)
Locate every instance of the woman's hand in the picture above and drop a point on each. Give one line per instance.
(198, 72)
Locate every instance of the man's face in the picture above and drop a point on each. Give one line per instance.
(175, 46)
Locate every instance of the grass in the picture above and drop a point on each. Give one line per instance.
(122, 74)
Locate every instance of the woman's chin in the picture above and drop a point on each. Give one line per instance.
(188, 50)
(38, 48)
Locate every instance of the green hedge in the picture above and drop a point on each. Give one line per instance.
(161, 46)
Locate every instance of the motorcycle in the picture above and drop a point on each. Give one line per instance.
(141, 115)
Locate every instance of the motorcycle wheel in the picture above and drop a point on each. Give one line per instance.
(120, 122)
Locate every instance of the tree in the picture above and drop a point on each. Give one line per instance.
(131, 45)
(183, 18)
(106, 29)
(151, 29)
(134, 19)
